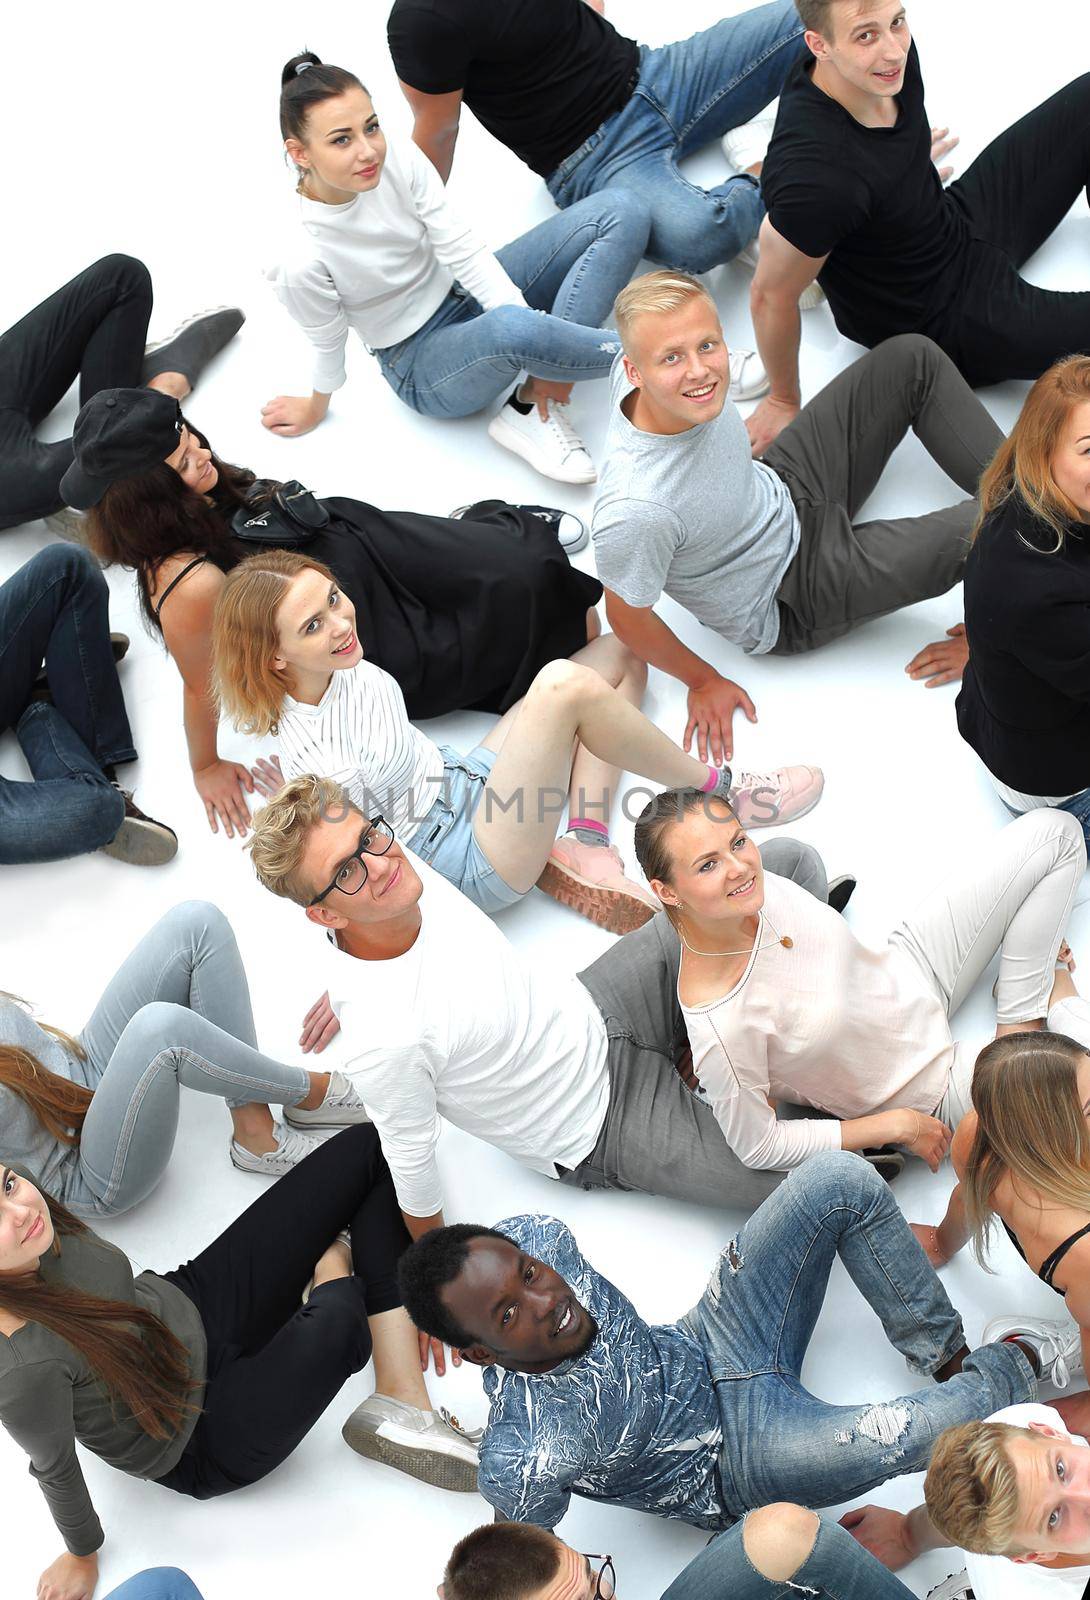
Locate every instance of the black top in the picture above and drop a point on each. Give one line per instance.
(1024, 704)
(871, 200)
(1048, 1266)
(541, 75)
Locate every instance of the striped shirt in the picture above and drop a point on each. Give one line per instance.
(359, 733)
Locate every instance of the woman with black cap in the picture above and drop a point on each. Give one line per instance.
(462, 614)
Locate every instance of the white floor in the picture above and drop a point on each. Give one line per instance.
(155, 132)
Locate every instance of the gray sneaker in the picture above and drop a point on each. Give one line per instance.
(191, 346)
(341, 1107)
(955, 1587)
(291, 1148)
(429, 1445)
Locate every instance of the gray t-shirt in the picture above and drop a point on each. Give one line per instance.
(693, 515)
(53, 1164)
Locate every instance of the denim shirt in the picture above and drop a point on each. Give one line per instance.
(633, 1421)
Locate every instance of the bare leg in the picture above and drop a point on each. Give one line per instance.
(594, 781)
(397, 1359)
(253, 1123)
(173, 383)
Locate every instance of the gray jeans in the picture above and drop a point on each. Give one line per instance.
(831, 457)
(658, 1136)
(177, 1013)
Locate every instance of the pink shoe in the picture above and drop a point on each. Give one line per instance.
(767, 799)
(591, 879)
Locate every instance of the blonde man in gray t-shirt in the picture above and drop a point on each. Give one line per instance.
(767, 553)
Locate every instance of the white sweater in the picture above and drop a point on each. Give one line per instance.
(828, 1023)
(382, 263)
(359, 734)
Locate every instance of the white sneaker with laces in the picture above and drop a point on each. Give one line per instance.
(291, 1148)
(341, 1107)
(955, 1587)
(1057, 1340)
(748, 378)
(747, 144)
(811, 297)
(432, 1446)
(550, 444)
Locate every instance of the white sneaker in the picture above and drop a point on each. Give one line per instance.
(571, 531)
(811, 297)
(748, 378)
(1057, 1341)
(744, 146)
(955, 1587)
(432, 1446)
(341, 1107)
(291, 1148)
(551, 446)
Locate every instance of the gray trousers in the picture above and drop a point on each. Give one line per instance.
(831, 457)
(658, 1137)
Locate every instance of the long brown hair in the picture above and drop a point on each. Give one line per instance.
(141, 1364)
(1023, 463)
(59, 1105)
(143, 519)
(245, 637)
(1030, 1124)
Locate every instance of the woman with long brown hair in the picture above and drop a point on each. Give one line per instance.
(1024, 704)
(206, 1378)
(462, 612)
(94, 1118)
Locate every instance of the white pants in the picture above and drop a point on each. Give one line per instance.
(1016, 899)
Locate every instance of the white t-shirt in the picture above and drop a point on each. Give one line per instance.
(359, 733)
(828, 1023)
(382, 263)
(461, 1027)
(996, 1578)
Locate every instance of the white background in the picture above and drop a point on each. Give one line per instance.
(153, 130)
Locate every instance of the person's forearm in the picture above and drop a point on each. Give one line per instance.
(654, 642)
(418, 1226)
(884, 1127)
(921, 1533)
(438, 146)
(201, 729)
(953, 1231)
(778, 326)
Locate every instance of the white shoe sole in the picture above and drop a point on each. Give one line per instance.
(500, 430)
(406, 1453)
(198, 316)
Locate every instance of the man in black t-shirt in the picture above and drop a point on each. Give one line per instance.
(853, 197)
(588, 108)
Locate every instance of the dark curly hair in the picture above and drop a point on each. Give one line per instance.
(428, 1266)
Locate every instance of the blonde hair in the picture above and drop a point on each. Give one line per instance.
(1030, 1124)
(1023, 463)
(245, 637)
(971, 1488)
(281, 830)
(655, 294)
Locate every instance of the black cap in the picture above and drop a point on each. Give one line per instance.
(119, 432)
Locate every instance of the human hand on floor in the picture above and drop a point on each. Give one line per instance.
(941, 145)
(320, 1025)
(293, 414)
(769, 420)
(944, 660)
(223, 786)
(881, 1531)
(1064, 957)
(267, 775)
(711, 716)
(69, 1578)
(434, 1349)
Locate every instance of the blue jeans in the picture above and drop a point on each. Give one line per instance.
(156, 1583)
(1079, 807)
(836, 1569)
(56, 608)
(756, 1318)
(571, 268)
(688, 94)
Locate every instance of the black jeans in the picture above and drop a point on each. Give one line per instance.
(56, 608)
(274, 1364)
(1013, 196)
(94, 327)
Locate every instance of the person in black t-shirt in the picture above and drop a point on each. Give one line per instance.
(586, 107)
(854, 199)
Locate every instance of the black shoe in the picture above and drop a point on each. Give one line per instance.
(841, 890)
(191, 347)
(119, 644)
(888, 1162)
(141, 840)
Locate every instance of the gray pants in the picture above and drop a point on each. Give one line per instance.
(177, 1013)
(831, 457)
(658, 1137)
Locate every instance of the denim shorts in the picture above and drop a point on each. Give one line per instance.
(445, 838)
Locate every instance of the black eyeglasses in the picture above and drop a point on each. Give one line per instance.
(351, 875)
(606, 1587)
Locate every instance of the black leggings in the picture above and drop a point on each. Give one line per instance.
(94, 327)
(1015, 194)
(274, 1364)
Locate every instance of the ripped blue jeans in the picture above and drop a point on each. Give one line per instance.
(570, 269)
(756, 1318)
